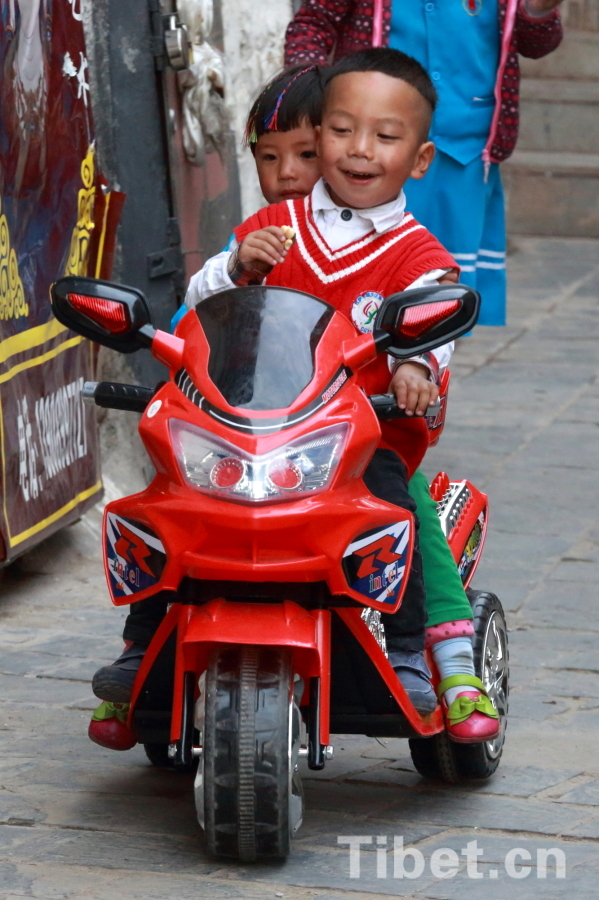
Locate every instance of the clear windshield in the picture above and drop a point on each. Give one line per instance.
(262, 343)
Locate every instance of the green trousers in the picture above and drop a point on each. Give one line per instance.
(446, 600)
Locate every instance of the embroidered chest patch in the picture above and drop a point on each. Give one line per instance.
(364, 310)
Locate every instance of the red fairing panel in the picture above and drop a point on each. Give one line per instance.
(306, 634)
(269, 624)
(205, 538)
(408, 437)
(175, 531)
(464, 514)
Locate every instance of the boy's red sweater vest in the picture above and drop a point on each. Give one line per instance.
(378, 264)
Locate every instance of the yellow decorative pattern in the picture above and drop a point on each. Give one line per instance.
(35, 529)
(12, 295)
(26, 340)
(78, 253)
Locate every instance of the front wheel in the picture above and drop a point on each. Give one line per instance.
(248, 792)
(440, 758)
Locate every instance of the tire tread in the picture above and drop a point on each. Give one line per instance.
(245, 757)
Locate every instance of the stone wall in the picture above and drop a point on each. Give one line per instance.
(253, 41)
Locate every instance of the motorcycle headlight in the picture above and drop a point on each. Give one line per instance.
(214, 466)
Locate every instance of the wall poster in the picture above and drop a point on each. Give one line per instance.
(56, 218)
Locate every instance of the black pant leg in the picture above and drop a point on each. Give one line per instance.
(386, 478)
(144, 618)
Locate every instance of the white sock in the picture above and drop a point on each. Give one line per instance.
(454, 657)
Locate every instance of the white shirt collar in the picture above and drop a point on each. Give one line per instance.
(380, 218)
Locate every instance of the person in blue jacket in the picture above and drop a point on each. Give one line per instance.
(460, 202)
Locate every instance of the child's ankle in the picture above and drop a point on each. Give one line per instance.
(434, 634)
(454, 657)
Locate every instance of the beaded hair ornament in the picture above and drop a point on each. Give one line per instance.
(270, 121)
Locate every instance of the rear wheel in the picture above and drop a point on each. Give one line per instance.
(440, 758)
(433, 758)
(158, 755)
(248, 785)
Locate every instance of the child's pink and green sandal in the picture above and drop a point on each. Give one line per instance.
(471, 718)
(109, 728)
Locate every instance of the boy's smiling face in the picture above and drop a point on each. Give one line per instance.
(287, 164)
(372, 138)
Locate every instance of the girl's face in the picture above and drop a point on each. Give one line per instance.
(287, 164)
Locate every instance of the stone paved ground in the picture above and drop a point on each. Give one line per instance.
(81, 822)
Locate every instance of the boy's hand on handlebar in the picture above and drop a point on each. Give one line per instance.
(412, 388)
(261, 250)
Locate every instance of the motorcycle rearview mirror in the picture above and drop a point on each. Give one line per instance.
(110, 314)
(423, 318)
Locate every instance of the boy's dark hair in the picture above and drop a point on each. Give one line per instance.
(389, 62)
(291, 97)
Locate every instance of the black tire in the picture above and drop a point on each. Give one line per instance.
(433, 758)
(246, 768)
(481, 760)
(158, 756)
(438, 757)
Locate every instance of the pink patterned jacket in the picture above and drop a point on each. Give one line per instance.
(347, 26)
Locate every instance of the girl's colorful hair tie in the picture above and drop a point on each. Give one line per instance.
(271, 121)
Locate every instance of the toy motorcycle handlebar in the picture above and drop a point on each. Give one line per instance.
(112, 395)
(133, 398)
(385, 407)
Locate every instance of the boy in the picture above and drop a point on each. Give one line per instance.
(352, 237)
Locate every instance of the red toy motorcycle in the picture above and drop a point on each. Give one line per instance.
(276, 560)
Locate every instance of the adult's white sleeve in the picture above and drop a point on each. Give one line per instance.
(212, 278)
(442, 354)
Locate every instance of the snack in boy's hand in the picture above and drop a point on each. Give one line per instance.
(289, 236)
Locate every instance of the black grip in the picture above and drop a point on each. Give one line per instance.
(131, 397)
(385, 407)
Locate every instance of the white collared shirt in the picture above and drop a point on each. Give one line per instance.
(338, 225)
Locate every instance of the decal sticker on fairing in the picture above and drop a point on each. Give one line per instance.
(364, 310)
(472, 548)
(375, 563)
(135, 556)
(335, 387)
